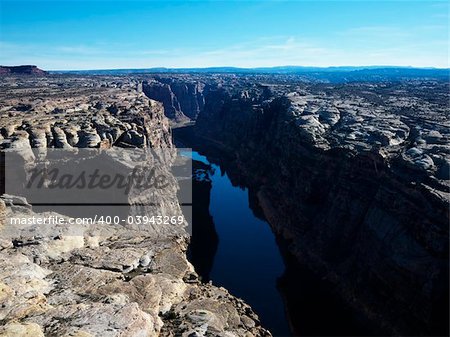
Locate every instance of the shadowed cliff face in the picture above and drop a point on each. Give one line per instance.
(182, 100)
(354, 180)
(204, 240)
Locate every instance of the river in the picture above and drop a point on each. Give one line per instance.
(236, 249)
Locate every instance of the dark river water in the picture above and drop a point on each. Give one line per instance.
(235, 249)
(247, 261)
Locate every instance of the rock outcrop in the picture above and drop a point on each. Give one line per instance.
(110, 281)
(22, 70)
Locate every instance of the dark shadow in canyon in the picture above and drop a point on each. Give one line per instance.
(311, 303)
(314, 306)
(204, 239)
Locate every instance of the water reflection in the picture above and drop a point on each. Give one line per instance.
(247, 261)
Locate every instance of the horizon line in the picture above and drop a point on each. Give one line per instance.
(256, 68)
(356, 67)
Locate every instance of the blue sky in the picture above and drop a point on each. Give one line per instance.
(141, 34)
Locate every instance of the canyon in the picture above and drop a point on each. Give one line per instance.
(351, 174)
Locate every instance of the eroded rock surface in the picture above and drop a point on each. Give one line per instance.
(125, 283)
(78, 113)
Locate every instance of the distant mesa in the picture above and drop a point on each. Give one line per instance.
(21, 70)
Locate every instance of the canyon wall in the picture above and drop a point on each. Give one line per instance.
(182, 99)
(356, 178)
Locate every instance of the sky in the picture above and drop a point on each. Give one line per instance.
(65, 35)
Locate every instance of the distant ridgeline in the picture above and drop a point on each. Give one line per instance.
(325, 74)
(21, 70)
